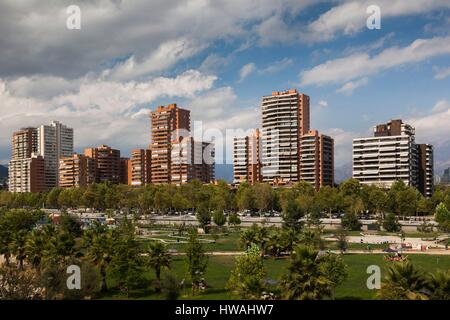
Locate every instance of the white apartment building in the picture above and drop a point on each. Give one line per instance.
(240, 159)
(26, 174)
(55, 141)
(390, 155)
(285, 118)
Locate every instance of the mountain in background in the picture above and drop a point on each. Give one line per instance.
(3, 171)
(224, 172)
(342, 173)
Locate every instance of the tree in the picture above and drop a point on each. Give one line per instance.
(158, 258)
(292, 213)
(245, 197)
(234, 220)
(99, 244)
(219, 218)
(19, 285)
(439, 285)
(126, 263)
(403, 281)
(19, 239)
(196, 260)
(311, 238)
(442, 217)
(264, 195)
(170, 287)
(305, 279)
(350, 222)
(247, 277)
(203, 216)
(390, 223)
(71, 225)
(249, 236)
(333, 268)
(34, 248)
(342, 242)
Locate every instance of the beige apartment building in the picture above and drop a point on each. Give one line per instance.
(247, 158)
(76, 171)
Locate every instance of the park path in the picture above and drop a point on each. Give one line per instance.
(378, 251)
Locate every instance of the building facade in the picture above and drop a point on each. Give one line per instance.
(426, 169)
(317, 159)
(76, 171)
(106, 162)
(140, 167)
(285, 118)
(169, 124)
(26, 168)
(192, 160)
(247, 158)
(392, 154)
(27, 175)
(54, 141)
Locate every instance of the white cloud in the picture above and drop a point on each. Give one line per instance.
(277, 66)
(433, 127)
(350, 16)
(342, 145)
(442, 73)
(167, 54)
(100, 111)
(246, 70)
(322, 103)
(361, 64)
(351, 86)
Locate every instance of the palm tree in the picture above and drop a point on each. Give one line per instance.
(404, 282)
(18, 246)
(248, 237)
(100, 250)
(158, 258)
(34, 248)
(262, 236)
(311, 238)
(274, 244)
(439, 285)
(305, 281)
(289, 238)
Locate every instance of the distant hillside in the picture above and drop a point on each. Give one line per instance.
(342, 173)
(224, 172)
(3, 171)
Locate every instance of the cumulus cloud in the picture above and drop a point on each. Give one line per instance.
(350, 16)
(351, 86)
(362, 64)
(277, 66)
(442, 73)
(100, 111)
(246, 70)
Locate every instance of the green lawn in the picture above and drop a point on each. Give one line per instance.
(219, 268)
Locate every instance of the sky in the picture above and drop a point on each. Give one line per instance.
(218, 58)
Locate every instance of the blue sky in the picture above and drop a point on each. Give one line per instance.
(218, 59)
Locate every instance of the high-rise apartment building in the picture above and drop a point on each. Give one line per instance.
(426, 169)
(26, 168)
(445, 179)
(76, 171)
(317, 159)
(169, 124)
(247, 158)
(140, 167)
(285, 118)
(392, 154)
(192, 160)
(54, 141)
(27, 174)
(24, 143)
(107, 163)
(125, 171)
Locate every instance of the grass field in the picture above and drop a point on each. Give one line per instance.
(219, 268)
